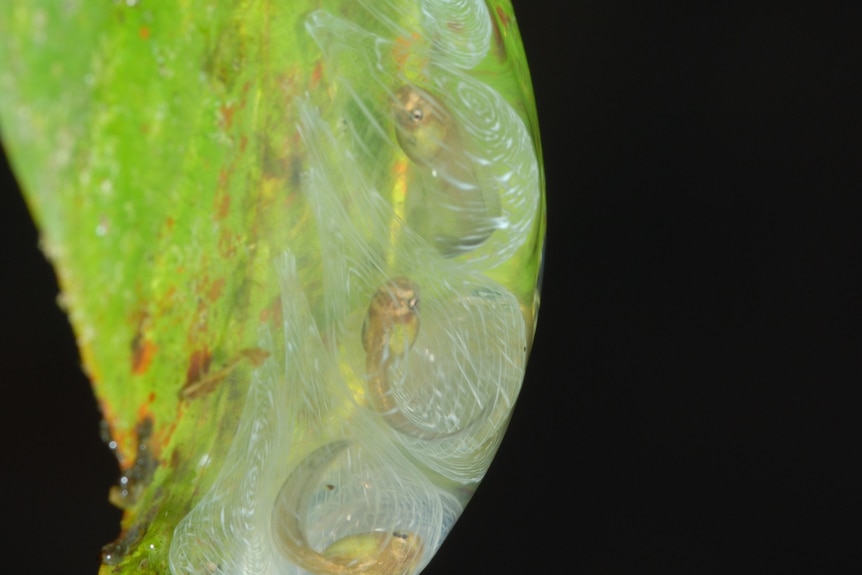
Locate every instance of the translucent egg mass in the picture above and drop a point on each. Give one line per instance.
(390, 382)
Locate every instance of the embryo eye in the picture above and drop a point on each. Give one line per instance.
(416, 115)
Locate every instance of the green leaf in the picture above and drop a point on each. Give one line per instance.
(191, 166)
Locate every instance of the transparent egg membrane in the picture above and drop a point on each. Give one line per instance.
(458, 383)
(357, 450)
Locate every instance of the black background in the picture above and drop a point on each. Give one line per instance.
(690, 403)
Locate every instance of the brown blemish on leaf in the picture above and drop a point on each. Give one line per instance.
(199, 365)
(316, 74)
(215, 290)
(206, 384)
(274, 162)
(272, 312)
(295, 171)
(227, 112)
(176, 459)
(504, 18)
(143, 351)
(255, 355)
(142, 347)
(197, 329)
(222, 206)
(499, 43)
(223, 177)
(402, 48)
(226, 244)
(144, 33)
(165, 302)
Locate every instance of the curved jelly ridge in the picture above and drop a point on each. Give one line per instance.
(463, 45)
(503, 155)
(464, 373)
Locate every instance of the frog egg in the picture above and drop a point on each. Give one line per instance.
(478, 201)
(462, 376)
(346, 509)
(455, 387)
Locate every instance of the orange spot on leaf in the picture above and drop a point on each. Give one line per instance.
(227, 113)
(143, 351)
(504, 18)
(209, 381)
(216, 289)
(166, 301)
(317, 74)
(400, 168)
(199, 365)
(226, 244)
(271, 312)
(144, 33)
(222, 206)
(142, 347)
(402, 49)
(255, 355)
